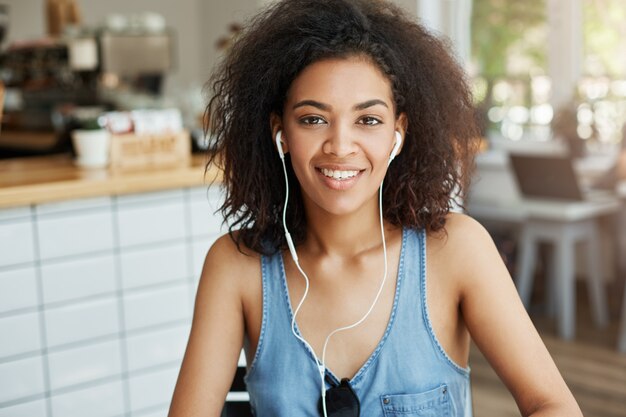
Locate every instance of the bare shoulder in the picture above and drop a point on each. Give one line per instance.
(226, 265)
(464, 249)
(462, 237)
(224, 255)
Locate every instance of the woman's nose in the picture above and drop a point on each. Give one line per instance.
(340, 143)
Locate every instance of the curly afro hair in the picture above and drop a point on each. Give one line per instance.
(252, 81)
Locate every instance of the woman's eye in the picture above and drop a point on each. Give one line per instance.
(370, 121)
(312, 120)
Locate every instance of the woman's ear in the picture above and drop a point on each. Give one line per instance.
(276, 126)
(401, 126)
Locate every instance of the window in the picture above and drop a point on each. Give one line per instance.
(602, 89)
(509, 65)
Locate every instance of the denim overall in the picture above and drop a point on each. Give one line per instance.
(408, 374)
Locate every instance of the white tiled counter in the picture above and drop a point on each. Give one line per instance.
(96, 297)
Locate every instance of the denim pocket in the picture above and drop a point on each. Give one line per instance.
(433, 403)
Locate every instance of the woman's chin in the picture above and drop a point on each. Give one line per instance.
(346, 206)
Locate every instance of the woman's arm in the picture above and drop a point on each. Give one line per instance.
(500, 326)
(216, 336)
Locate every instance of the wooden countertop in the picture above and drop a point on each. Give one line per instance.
(35, 180)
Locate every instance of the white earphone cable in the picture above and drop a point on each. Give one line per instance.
(322, 365)
(295, 259)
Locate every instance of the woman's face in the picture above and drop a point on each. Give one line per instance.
(338, 126)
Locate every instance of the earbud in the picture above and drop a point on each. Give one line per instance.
(396, 147)
(279, 144)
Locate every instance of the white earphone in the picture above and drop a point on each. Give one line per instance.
(292, 249)
(279, 144)
(396, 147)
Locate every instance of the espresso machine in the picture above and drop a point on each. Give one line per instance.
(47, 79)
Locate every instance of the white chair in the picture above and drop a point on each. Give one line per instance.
(563, 235)
(564, 224)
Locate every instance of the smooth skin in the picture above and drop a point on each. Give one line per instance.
(339, 115)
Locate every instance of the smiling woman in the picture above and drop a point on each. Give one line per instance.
(338, 127)
(369, 308)
(425, 81)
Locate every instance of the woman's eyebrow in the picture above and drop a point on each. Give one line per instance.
(369, 103)
(313, 103)
(326, 107)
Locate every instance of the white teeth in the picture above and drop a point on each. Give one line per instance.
(338, 175)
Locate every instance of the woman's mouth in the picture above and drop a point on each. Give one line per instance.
(339, 179)
(337, 174)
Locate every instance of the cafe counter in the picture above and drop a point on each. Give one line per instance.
(98, 274)
(35, 180)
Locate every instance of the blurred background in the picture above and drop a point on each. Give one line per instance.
(105, 216)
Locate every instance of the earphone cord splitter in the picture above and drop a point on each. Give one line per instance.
(321, 366)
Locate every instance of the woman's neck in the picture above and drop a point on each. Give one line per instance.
(348, 235)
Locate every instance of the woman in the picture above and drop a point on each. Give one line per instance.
(367, 308)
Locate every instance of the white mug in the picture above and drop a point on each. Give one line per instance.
(92, 147)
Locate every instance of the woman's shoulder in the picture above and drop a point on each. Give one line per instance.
(226, 260)
(460, 232)
(463, 246)
(226, 245)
